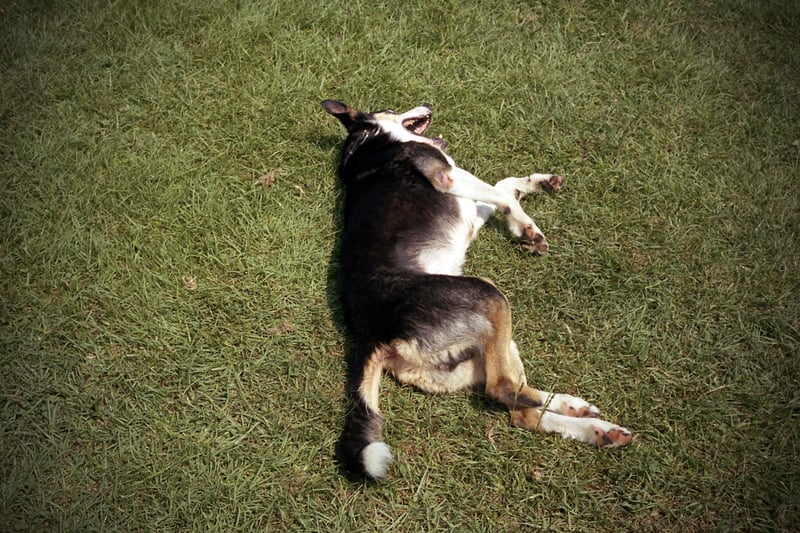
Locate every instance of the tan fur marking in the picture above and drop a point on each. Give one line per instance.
(528, 418)
(505, 374)
(501, 384)
(424, 371)
(371, 380)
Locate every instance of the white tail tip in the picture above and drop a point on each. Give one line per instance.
(376, 457)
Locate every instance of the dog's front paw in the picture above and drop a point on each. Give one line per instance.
(521, 187)
(533, 241)
(551, 183)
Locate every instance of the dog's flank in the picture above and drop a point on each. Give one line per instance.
(410, 214)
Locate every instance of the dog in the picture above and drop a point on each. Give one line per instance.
(409, 216)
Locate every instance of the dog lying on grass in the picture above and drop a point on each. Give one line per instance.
(410, 214)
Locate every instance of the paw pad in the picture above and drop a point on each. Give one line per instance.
(613, 437)
(533, 241)
(555, 183)
(583, 412)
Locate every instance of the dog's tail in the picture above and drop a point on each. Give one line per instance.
(360, 449)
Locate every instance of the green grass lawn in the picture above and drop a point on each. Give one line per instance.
(171, 356)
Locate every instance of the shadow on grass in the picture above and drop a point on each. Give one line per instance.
(331, 143)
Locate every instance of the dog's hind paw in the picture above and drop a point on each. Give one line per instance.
(612, 437)
(569, 405)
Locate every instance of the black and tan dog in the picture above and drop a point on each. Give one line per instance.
(410, 214)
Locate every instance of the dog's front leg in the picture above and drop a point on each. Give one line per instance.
(458, 182)
(519, 187)
(462, 183)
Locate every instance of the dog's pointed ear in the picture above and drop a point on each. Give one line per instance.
(346, 115)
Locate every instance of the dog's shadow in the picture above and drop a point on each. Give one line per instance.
(332, 281)
(331, 144)
(334, 145)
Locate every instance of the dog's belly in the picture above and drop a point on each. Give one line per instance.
(446, 370)
(446, 254)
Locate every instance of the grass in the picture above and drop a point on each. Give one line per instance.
(170, 353)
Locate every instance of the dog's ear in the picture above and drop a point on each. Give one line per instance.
(346, 115)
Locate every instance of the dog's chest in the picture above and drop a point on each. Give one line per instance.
(395, 220)
(445, 254)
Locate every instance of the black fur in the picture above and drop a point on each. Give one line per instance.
(391, 209)
(391, 212)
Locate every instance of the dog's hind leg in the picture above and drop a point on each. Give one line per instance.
(533, 409)
(360, 449)
(588, 430)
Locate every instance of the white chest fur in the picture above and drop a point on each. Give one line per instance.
(447, 256)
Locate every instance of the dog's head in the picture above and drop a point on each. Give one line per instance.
(403, 127)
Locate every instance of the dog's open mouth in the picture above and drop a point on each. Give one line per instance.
(417, 121)
(417, 124)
